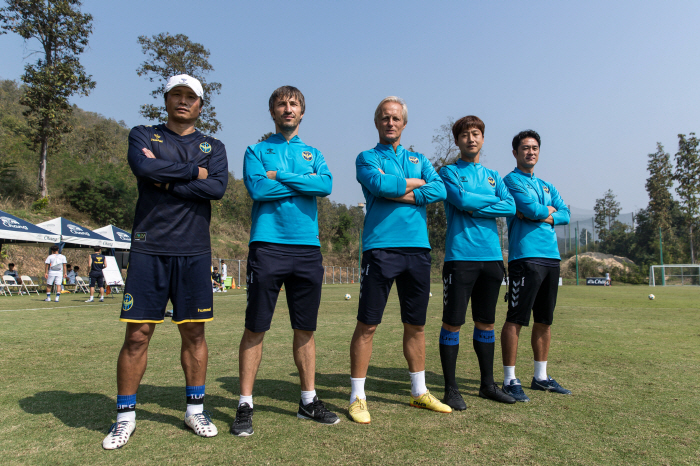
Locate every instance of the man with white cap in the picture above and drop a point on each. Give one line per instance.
(179, 171)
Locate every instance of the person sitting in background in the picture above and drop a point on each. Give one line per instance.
(67, 280)
(216, 281)
(72, 273)
(13, 273)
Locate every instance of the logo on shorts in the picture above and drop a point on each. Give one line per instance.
(307, 155)
(413, 159)
(491, 181)
(204, 310)
(546, 188)
(128, 302)
(205, 147)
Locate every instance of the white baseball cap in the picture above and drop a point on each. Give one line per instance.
(187, 81)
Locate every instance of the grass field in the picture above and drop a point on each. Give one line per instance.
(633, 366)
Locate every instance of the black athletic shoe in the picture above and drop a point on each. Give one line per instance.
(549, 385)
(243, 424)
(492, 392)
(454, 399)
(316, 411)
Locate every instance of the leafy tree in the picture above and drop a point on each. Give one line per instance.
(688, 177)
(62, 31)
(172, 55)
(607, 209)
(108, 198)
(446, 152)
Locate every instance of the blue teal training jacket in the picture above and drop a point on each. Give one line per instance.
(284, 209)
(471, 187)
(391, 224)
(529, 237)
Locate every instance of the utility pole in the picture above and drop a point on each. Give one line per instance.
(576, 253)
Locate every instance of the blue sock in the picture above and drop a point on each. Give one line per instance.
(449, 349)
(195, 399)
(126, 407)
(484, 336)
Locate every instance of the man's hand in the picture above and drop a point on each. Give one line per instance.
(381, 171)
(413, 183)
(148, 153)
(549, 220)
(203, 173)
(551, 209)
(272, 174)
(519, 215)
(408, 198)
(46, 276)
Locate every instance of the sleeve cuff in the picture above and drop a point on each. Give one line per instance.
(195, 171)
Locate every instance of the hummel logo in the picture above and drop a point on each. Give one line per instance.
(270, 151)
(515, 303)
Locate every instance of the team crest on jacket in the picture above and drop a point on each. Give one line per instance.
(307, 155)
(492, 182)
(205, 147)
(413, 159)
(546, 188)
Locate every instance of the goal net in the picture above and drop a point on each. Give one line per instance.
(674, 275)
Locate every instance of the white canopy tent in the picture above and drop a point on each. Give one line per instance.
(14, 230)
(121, 238)
(74, 235)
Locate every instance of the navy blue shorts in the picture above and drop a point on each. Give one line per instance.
(410, 269)
(98, 280)
(479, 281)
(299, 268)
(153, 280)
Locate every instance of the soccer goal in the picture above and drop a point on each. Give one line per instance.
(674, 275)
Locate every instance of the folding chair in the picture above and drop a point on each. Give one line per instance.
(27, 283)
(11, 282)
(81, 286)
(2, 288)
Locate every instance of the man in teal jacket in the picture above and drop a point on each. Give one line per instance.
(397, 185)
(283, 176)
(533, 265)
(473, 269)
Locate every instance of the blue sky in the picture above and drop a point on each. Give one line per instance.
(601, 82)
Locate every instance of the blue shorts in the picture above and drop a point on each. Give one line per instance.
(153, 280)
(410, 267)
(299, 268)
(98, 280)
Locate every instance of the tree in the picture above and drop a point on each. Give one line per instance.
(446, 152)
(607, 209)
(62, 31)
(172, 55)
(688, 177)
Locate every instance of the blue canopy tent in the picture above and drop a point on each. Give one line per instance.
(74, 235)
(14, 230)
(121, 238)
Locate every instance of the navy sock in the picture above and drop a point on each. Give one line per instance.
(449, 349)
(484, 344)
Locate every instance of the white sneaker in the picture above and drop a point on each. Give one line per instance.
(102, 300)
(118, 435)
(56, 299)
(201, 424)
(225, 291)
(48, 300)
(90, 300)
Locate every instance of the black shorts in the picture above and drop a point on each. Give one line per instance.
(410, 269)
(98, 280)
(272, 265)
(531, 287)
(479, 280)
(152, 280)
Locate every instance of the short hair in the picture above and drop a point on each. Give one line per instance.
(11, 264)
(469, 121)
(68, 266)
(288, 92)
(216, 268)
(76, 268)
(528, 133)
(392, 98)
(222, 261)
(54, 248)
(97, 248)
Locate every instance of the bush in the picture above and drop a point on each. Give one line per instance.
(107, 198)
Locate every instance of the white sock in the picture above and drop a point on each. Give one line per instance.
(540, 370)
(307, 397)
(418, 383)
(357, 389)
(127, 416)
(508, 374)
(246, 399)
(194, 409)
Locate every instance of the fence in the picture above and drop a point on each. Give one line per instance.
(332, 274)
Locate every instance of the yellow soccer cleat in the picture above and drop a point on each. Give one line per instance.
(428, 401)
(358, 411)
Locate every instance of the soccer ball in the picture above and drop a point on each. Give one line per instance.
(431, 295)
(651, 297)
(347, 296)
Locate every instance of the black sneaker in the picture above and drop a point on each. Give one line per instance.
(243, 424)
(492, 392)
(316, 411)
(549, 385)
(454, 399)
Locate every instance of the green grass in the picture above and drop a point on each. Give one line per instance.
(633, 366)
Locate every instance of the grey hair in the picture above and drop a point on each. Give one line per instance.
(391, 98)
